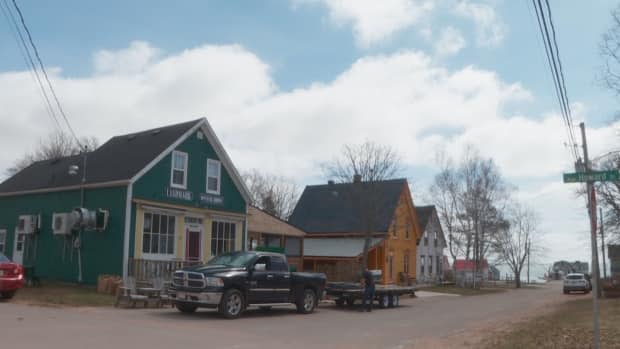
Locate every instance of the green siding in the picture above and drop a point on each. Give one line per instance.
(153, 184)
(53, 256)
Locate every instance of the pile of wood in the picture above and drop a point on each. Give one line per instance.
(108, 284)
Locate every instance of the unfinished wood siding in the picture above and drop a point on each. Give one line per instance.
(398, 244)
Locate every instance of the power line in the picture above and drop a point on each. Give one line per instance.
(558, 79)
(36, 52)
(557, 50)
(17, 35)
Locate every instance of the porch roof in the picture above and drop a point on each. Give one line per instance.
(260, 221)
(337, 247)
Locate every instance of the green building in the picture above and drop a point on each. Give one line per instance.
(152, 201)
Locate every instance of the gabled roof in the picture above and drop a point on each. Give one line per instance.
(337, 247)
(260, 221)
(334, 208)
(424, 214)
(122, 159)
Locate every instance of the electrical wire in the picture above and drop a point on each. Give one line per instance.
(553, 60)
(42, 67)
(19, 38)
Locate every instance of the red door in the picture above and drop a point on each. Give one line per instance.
(192, 245)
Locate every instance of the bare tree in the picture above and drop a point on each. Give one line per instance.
(54, 146)
(470, 198)
(609, 198)
(372, 161)
(609, 49)
(369, 163)
(520, 239)
(276, 195)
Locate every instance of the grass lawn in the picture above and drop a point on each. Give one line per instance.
(61, 294)
(464, 291)
(569, 326)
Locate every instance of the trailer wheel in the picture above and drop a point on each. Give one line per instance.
(384, 301)
(394, 301)
(340, 302)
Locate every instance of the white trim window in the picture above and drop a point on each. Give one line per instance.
(214, 176)
(222, 237)
(158, 235)
(178, 170)
(2, 240)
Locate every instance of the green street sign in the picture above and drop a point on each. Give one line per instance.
(594, 176)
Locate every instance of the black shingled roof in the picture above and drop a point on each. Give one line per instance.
(424, 214)
(120, 158)
(330, 208)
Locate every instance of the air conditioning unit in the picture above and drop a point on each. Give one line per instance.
(63, 223)
(91, 219)
(28, 224)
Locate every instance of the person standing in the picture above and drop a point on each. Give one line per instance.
(368, 283)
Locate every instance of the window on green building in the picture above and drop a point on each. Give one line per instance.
(158, 234)
(179, 170)
(213, 176)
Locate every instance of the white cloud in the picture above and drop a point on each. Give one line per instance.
(404, 99)
(490, 30)
(374, 21)
(126, 61)
(450, 42)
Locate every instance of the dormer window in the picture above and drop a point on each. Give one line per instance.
(214, 171)
(178, 177)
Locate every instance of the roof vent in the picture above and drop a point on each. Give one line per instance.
(130, 137)
(155, 132)
(330, 182)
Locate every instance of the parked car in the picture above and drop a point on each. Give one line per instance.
(576, 282)
(235, 281)
(11, 277)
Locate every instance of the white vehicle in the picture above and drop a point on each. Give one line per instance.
(576, 282)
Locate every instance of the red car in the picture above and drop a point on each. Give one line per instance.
(11, 277)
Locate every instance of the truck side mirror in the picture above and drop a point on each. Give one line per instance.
(260, 267)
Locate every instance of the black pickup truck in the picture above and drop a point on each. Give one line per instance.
(234, 281)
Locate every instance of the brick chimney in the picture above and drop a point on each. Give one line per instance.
(357, 178)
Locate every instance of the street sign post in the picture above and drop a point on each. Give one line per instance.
(592, 176)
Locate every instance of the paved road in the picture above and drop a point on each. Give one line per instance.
(417, 323)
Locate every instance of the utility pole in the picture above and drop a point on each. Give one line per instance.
(592, 215)
(603, 244)
(529, 246)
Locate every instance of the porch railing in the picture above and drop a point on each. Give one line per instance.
(144, 269)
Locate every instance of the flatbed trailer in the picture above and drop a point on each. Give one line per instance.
(388, 296)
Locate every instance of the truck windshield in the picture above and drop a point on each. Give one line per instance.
(236, 259)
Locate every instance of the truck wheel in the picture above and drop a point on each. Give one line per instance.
(384, 301)
(186, 308)
(307, 303)
(231, 305)
(340, 302)
(394, 301)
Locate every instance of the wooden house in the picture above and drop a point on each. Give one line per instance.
(337, 218)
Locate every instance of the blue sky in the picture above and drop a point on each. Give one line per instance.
(287, 82)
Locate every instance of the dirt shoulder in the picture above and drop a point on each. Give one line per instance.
(568, 325)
